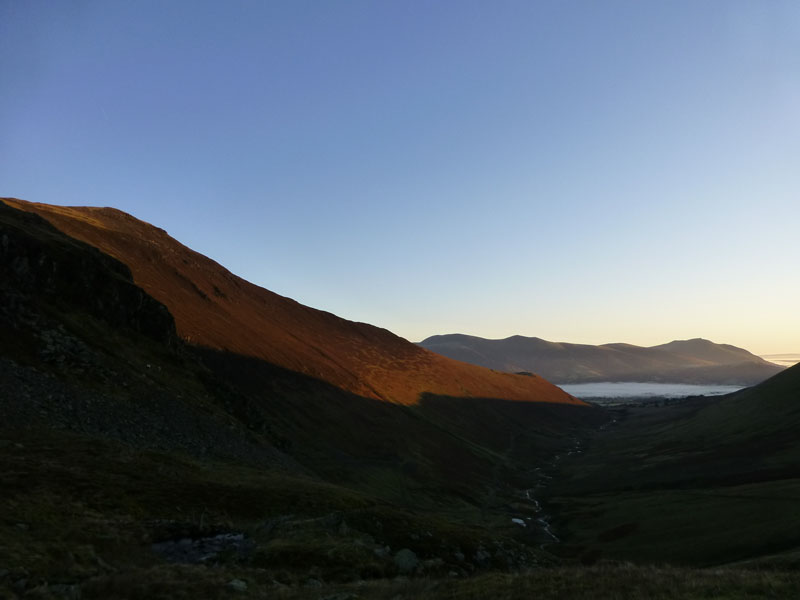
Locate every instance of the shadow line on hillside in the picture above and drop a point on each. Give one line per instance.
(453, 442)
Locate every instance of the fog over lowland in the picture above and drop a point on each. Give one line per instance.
(587, 391)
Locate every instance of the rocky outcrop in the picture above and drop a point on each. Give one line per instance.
(38, 261)
(86, 350)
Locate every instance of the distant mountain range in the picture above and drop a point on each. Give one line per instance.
(681, 361)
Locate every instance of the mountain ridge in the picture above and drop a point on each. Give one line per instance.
(696, 360)
(91, 360)
(214, 308)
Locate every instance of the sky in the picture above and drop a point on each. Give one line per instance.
(579, 171)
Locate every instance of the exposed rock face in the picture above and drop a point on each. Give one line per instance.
(86, 350)
(72, 274)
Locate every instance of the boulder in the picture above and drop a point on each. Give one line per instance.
(405, 560)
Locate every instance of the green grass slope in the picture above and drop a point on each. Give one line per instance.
(704, 482)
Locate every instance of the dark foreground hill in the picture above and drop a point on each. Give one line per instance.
(696, 361)
(127, 448)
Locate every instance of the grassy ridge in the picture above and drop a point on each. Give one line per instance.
(701, 483)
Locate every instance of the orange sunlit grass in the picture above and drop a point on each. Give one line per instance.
(214, 308)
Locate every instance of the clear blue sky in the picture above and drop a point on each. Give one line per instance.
(578, 171)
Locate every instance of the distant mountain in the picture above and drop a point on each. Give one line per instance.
(682, 361)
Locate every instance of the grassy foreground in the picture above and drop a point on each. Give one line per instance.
(619, 582)
(81, 518)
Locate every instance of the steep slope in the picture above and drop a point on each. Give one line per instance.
(82, 348)
(758, 423)
(681, 361)
(115, 433)
(216, 309)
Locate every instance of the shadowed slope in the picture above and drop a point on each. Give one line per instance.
(90, 361)
(85, 349)
(214, 308)
(701, 482)
(683, 361)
